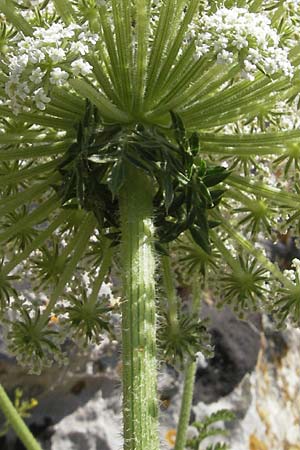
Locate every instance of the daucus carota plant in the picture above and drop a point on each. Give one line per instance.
(149, 127)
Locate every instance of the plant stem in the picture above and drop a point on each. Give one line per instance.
(140, 406)
(17, 422)
(189, 378)
(186, 403)
(170, 290)
(105, 265)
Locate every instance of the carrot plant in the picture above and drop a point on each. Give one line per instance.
(157, 134)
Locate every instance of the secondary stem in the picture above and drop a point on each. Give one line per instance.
(170, 290)
(105, 265)
(189, 378)
(17, 422)
(140, 410)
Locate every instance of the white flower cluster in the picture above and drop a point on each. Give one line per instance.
(236, 34)
(288, 114)
(48, 58)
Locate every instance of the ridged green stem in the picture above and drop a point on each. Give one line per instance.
(189, 379)
(17, 422)
(44, 150)
(140, 410)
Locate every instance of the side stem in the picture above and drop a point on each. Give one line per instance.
(170, 290)
(17, 422)
(189, 379)
(140, 405)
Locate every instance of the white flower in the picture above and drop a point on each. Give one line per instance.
(296, 263)
(36, 76)
(51, 35)
(81, 67)
(290, 274)
(227, 31)
(22, 90)
(36, 55)
(79, 47)
(240, 42)
(221, 43)
(40, 98)
(87, 36)
(58, 76)
(26, 44)
(225, 57)
(247, 75)
(10, 87)
(17, 64)
(68, 32)
(56, 54)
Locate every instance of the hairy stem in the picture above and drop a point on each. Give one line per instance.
(189, 379)
(140, 411)
(17, 422)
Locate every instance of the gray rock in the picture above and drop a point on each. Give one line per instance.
(255, 373)
(236, 344)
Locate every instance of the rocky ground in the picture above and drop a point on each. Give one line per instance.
(255, 373)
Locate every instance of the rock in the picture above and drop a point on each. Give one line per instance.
(255, 373)
(236, 345)
(256, 444)
(95, 425)
(71, 400)
(267, 401)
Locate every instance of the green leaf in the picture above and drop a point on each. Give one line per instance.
(102, 159)
(168, 232)
(201, 238)
(203, 192)
(194, 143)
(138, 161)
(213, 223)
(201, 167)
(117, 178)
(217, 195)
(178, 128)
(168, 190)
(215, 175)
